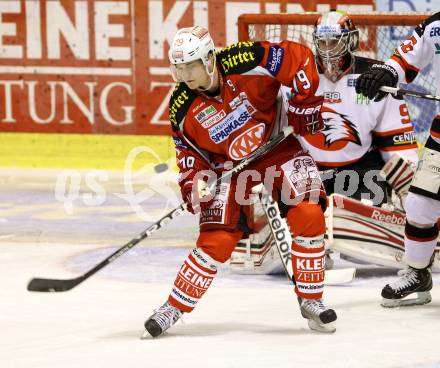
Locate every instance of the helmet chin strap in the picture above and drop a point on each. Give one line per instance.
(211, 77)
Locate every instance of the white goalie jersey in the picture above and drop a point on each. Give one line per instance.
(353, 124)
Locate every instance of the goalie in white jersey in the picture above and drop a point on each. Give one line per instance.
(358, 138)
(423, 202)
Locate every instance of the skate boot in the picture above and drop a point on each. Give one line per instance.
(319, 317)
(161, 320)
(412, 288)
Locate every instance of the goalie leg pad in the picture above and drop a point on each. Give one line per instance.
(308, 250)
(420, 244)
(193, 280)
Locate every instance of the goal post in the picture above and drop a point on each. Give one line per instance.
(379, 34)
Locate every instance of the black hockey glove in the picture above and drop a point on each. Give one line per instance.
(378, 75)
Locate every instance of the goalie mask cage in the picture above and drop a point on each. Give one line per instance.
(379, 35)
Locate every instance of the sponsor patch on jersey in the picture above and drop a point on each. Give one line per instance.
(351, 82)
(177, 104)
(179, 143)
(205, 113)
(332, 97)
(247, 142)
(199, 106)
(214, 119)
(274, 59)
(242, 99)
(437, 48)
(404, 138)
(233, 121)
(435, 32)
(361, 99)
(215, 211)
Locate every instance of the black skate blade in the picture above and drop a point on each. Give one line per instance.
(422, 297)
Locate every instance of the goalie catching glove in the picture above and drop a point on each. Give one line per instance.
(306, 117)
(378, 75)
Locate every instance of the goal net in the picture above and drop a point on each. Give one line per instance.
(379, 34)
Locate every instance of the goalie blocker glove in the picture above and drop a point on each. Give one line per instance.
(378, 75)
(306, 118)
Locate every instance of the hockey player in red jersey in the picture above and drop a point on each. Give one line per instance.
(225, 106)
(362, 143)
(423, 202)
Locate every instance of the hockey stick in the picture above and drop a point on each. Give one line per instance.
(55, 285)
(283, 241)
(402, 92)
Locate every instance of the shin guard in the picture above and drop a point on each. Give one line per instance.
(308, 262)
(192, 281)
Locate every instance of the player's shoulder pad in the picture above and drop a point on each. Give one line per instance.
(362, 64)
(240, 57)
(180, 102)
(420, 29)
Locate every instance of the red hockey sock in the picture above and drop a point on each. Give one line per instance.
(308, 251)
(308, 262)
(192, 281)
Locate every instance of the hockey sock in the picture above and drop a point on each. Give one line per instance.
(308, 262)
(419, 244)
(192, 281)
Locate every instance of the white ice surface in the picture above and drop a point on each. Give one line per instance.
(242, 321)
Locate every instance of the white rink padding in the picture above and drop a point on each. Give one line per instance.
(240, 322)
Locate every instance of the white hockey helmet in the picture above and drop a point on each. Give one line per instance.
(190, 44)
(335, 36)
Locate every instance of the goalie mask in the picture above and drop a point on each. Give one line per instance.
(335, 38)
(189, 46)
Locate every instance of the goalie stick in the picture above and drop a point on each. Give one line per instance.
(402, 92)
(283, 241)
(56, 285)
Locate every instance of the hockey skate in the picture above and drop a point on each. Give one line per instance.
(319, 317)
(412, 288)
(161, 320)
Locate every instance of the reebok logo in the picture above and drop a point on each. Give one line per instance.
(391, 219)
(277, 228)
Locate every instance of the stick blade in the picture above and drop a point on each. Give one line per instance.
(52, 285)
(339, 276)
